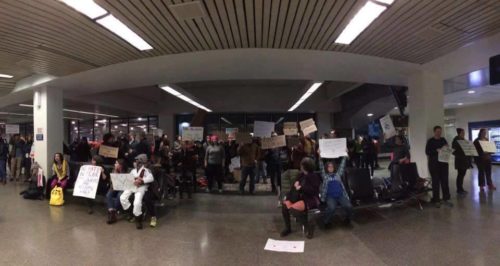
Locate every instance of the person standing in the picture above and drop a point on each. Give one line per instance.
(4, 152)
(248, 153)
(215, 158)
(483, 162)
(462, 162)
(16, 158)
(437, 169)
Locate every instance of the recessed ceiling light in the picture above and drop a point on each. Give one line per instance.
(460, 103)
(471, 92)
(73, 122)
(183, 97)
(387, 2)
(117, 27)
(116, 126)
(87, 7)
(6, 76)
(396, 107)
(369, 114)
(365, 16)
(306, 95)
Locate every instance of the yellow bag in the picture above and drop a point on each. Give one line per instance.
(56, 196)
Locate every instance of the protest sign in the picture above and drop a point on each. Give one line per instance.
(488, 147)
(192, 133)
(263, 129)
(11, 129)
(243, 138)
(290, 128)
(284, 246)
(273, 142)
(444, 154)
(333, 148)
(231, 133)
(388, 127)
(87, 181)
(123, 182)
(308, 126)
(468, 147)
(108, 151)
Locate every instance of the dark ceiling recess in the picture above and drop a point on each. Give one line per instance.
(401, 98)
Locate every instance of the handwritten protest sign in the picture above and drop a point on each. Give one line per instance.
(308, 126)
(333, 148)
(108, 151)
(468, 147)
(273, 142)
(388, 127)
(488, 147)
(444, 154)
(290, 128)
(243, 138)
(263, 129)
(192, 134)
(87, 181)
(123, 182)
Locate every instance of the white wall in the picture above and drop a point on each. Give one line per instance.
(477, 113)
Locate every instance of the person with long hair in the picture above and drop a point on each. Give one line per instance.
(483, 162)
(113, 196)
(303, 196)
(462, 162)
(333, 191)
(60, 171)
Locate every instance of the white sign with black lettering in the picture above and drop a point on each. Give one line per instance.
(488, 147)
(333, 148)
(87, 181)
(122, 182)
(387, 127)
(468, 148)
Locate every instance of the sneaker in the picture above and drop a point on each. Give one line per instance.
(153, 222)
(447, 204)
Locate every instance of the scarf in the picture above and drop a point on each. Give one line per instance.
(61, 173)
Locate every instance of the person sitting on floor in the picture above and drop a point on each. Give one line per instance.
(142, 177)
(303, 196)
(333, 192)
(59, 178)
(113, 196)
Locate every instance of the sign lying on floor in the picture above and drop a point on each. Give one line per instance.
(122, 182)
(333, 148)
(284, 246)
(87, 181)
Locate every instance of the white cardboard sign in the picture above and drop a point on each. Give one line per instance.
(308, 126)
(87, 181)
(387, 127)
(122, 182)
(488, 147)
(284, 246)
(333, 148)
(192, 133)
(263, 129)
(468, 148)
(444, 154)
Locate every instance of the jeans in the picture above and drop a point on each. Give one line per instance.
(3, 170)
(331, 203)
(245, 172)
(15, 167)
(113, 199)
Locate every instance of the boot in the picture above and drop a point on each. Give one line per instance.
(138, 222)
(286, 218)
(307, 228)
(112, 217)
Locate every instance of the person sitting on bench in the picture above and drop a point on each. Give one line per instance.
(113, 196)
(333, 192)
(303, 196)
(142, 177)
(102, 186)
(60, 178)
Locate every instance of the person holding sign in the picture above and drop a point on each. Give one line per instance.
(59, 178)
(103, 185)
(483, 162)
(462, 161)
(437, 169)
(113, 196)
(143, 178)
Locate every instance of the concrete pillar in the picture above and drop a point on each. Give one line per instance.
(324, 122)
(426, 91)
(166, 122)
(48, 126)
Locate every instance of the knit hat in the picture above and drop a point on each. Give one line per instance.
(142, 158)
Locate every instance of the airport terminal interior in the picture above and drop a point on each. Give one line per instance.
(249, 132)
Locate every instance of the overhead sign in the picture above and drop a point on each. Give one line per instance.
(192, 134)
(87, 181)
(333, 148)
(308, 126)
(11, 129)
(263, 129)
(108, 151)
(388, 127)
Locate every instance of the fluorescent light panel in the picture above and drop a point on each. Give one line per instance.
(87, 7)
(117, 27)
(76, 111)
(365, 16)
(184, 97)
(306, 95)
(387, 2)
(6, 76)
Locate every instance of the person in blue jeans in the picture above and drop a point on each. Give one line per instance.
(4, 152)
(113, 196)
(333, 192)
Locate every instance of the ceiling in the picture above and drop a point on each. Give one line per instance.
(46, 36)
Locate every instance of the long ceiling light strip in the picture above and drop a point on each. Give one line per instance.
(5, 76)
(184, 97)
(101, 16)
(365, 16)
(306, 95)
(76, 111)
(22, 114)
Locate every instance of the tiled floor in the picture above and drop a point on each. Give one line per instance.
(232, 230)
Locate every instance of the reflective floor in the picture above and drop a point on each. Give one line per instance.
(232, 230)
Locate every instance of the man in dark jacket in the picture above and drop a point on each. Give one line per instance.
(462, 162)
(437, 169)
(4, 152)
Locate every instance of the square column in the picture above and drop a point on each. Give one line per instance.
(426, 101)
(48, 126)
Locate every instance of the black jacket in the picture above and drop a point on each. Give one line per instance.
(462, 162)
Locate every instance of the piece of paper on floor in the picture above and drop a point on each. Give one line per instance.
(284, 246)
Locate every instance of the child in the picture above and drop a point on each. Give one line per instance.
(333, 192)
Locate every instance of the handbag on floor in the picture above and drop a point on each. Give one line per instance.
(56, 196)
